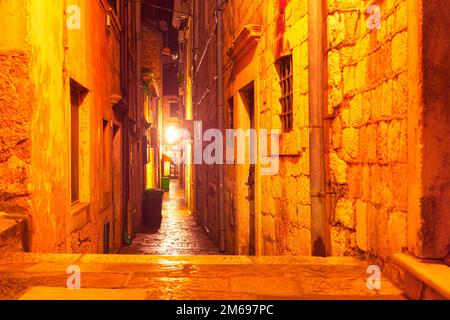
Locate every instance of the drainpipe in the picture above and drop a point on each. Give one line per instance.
(138, 58)
(317, 84)
(220, 101)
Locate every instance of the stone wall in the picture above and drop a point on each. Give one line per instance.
(151, 45)
(204, 96)
(13, 233)
(383, 119)
(16, 96)
(285, 207)
(368, 104)
(39, 57)
(282, 200)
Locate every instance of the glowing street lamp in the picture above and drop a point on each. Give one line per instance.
(172, 135)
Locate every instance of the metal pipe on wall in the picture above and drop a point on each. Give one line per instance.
(317, 80)
(220, 110)
(138, 57)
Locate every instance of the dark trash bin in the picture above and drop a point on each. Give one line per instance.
(152, 211)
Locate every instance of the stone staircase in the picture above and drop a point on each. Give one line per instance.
(137, 277)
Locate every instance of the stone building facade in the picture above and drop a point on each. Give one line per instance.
(204, 106)
(70, 140)
(385, 180)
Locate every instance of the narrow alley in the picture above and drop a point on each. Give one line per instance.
(179, 233)
(224, 149)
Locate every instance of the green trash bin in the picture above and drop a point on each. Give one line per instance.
(165, 184)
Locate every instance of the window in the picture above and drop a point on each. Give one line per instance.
(77, 125)
(77, 94)
(285, 70)
(106, 164)
(230, 117)
(174, 110)
(75, 102)
(114, 4)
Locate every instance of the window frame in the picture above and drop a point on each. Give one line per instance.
(285, 68)
(75, 103)
(78, 94)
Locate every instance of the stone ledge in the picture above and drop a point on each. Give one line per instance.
(10, 236)
(421, 275)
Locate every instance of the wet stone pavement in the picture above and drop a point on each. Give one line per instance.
(214, 277)
(179, 262)
(179, 233)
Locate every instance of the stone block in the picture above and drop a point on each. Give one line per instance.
(338, 168)
(361, 75)
(350, 143)
(355, 111)
(397, 231)
(386, 103)
(371, 141)
(376, 104)
(349, 79)
(334, 69)
(382, 141)
(400, 95)
(345, 213)
(336, 29)
(354, 174)
(400, 177)
(336, 133)
(399, 51)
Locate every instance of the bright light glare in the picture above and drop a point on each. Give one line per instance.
(172, 135)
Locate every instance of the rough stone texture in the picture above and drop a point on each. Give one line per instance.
(282, 223)
(202, 277)
(16, 94)
(204, 102)
(38, 58)
(386, 97)
(377, 141)
(11, 233)
(369, 136)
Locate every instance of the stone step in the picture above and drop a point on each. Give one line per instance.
(10, 235)
(35, 276)
(52, 293)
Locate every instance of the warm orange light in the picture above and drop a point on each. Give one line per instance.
(172, 135)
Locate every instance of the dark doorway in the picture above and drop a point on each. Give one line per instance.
(248, 97)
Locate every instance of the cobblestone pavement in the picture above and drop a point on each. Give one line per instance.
(215, 277)
(179, 233)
